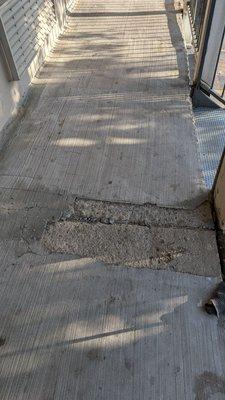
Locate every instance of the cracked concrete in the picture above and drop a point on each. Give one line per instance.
(143, 236)
(73, 327)
(177, 249)
(146, 214)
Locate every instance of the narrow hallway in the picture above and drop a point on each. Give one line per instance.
(114, 119)
(108, 247)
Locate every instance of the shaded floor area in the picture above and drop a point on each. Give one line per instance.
(84, 330)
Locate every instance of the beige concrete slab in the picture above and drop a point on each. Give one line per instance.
(114, 120)
(74, 329)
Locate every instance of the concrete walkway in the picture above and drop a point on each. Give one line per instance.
(114, 120)
(103, 299)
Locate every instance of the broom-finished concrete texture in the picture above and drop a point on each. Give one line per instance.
(114, 118)
(109, 117)
(75, 329)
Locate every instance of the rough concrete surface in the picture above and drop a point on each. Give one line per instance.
(182, 250)
(109, 118)
(146, 214)
(74, 329)
(114, 119)
(144, 236)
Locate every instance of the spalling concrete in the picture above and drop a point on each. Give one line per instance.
(109, 118)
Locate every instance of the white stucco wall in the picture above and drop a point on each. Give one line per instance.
(12, 94)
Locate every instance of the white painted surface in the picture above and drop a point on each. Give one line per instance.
(12, 94)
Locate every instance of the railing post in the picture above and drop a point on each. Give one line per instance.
(186, 25)
(203, 42)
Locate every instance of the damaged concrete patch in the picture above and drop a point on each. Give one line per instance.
(183, 250)
(146, 214)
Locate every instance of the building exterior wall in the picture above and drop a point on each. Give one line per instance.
(13, 92)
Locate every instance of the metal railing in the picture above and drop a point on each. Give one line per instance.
(209, 75)
(197, 9)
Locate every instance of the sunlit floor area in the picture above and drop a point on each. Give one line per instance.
(210, 130)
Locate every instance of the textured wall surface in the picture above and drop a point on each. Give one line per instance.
(30, 29)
